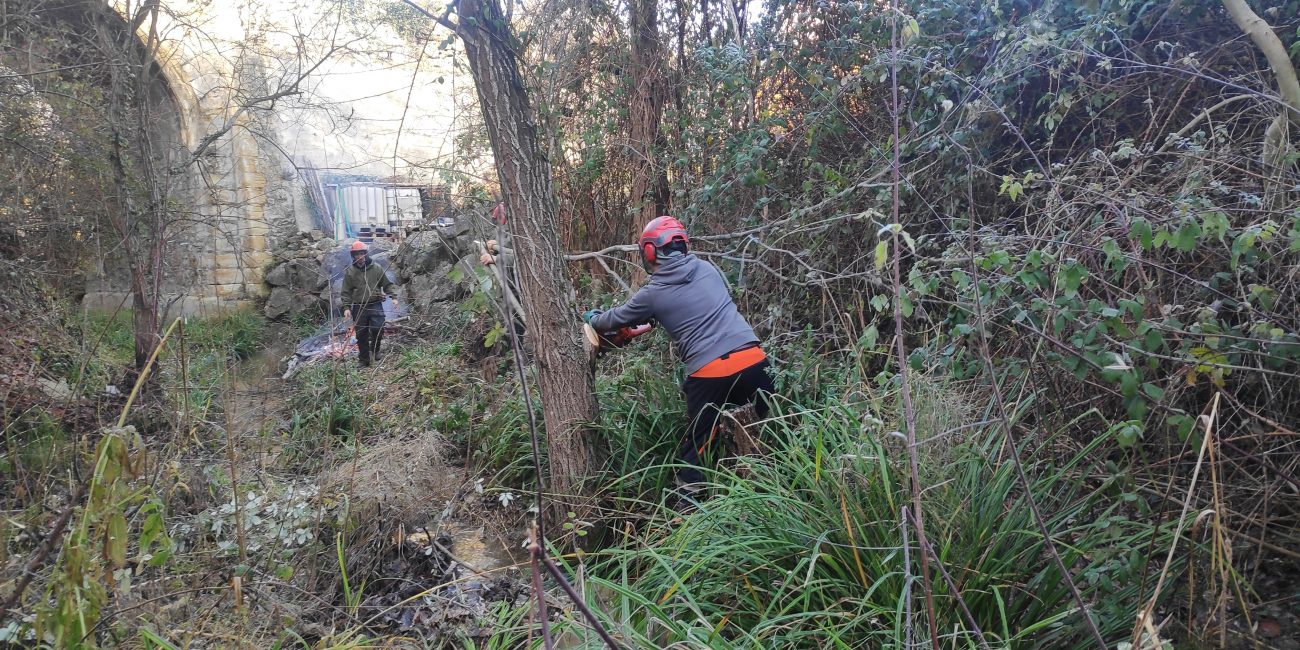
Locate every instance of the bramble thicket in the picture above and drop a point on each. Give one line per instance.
(1026, 273)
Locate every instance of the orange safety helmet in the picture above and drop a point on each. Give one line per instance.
(358, 247)
(660, 232)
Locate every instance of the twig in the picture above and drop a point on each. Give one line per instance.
(907, 581)
(29, 571)
(1187, 502)
(909, 413)
(144, 373)
(534, 553)
(1005, 420)
(578, 600)
(970, 619)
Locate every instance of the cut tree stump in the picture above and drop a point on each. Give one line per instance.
(735, 427)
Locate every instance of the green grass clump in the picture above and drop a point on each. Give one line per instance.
(327, 404)
(211, 346)
(807, 550)
(237, 332)
(805, 546)
(33, 442)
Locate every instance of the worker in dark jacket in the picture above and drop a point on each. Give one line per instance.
(365, 286)
(724, 363)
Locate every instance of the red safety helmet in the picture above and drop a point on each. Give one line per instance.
(660, 232)
(358, 247)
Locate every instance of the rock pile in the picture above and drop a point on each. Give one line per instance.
(426, 260)
(298, 283)
(309, 269)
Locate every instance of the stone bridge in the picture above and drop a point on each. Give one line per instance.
(241, 198)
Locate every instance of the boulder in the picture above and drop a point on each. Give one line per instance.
(296, 286)
(285, 302)
(420, 254)
(453, 227)
(278, 276)
(299, 273)
(428, 288)
(445, 283)
(428, 249)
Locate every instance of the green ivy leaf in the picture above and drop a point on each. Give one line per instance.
(1011, 187)
(490, 339)
(1134, 308)
(1262, 297)
(1185, 238)
(1184, 424)
(907, 238)
(1153, 391)
(1215, 223)
(869, 338)
(1072, 276)
(882, 254)
(960, 279)
(1137, 407)
(1140, 230)
(1116, 260)
(1126, 433)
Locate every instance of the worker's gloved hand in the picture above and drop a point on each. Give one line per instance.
(486, 259)
(590, 314)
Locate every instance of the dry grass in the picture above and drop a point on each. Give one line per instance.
(407, 475)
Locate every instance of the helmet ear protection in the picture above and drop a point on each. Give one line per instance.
(661, 231)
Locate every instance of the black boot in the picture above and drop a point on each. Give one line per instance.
(685, 495)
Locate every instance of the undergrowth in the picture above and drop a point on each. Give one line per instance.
(807, 547)
(804, 547)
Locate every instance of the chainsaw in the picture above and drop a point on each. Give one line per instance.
(605, 341)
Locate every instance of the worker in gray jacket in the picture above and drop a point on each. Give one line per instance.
(688, 297)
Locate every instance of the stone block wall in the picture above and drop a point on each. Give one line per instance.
(237, 203)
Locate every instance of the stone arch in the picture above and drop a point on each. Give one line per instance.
(232, 203)
(236, 194)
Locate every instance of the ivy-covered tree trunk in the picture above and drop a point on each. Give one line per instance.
(564, 372)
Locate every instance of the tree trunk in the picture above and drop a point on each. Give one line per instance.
(564, 372)
(1262, 34)
(125, 216)
(645, 114)
(1277, 139)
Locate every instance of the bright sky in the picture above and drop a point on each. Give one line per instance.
(364, 107)
(360, 108)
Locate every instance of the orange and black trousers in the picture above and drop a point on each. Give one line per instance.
(709, 393)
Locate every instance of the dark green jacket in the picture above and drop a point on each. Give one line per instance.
(364, 286)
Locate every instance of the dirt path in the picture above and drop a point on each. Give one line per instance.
(257, 400)
(433, 532)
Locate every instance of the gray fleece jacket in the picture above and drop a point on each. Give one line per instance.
(688, 297)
